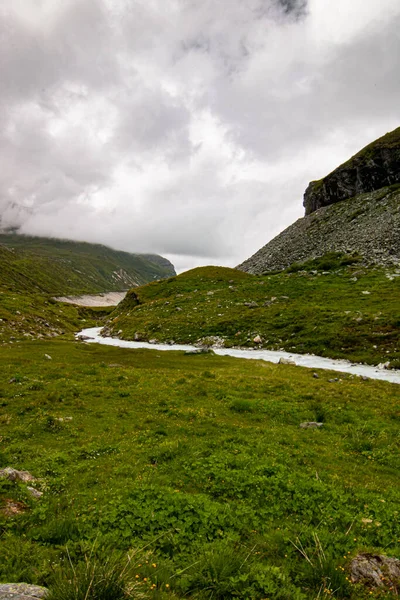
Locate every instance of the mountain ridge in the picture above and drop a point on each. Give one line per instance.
(339, 218)
(56, 266)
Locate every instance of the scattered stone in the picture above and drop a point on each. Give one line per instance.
(366, 293)
(84, 338)
(211, 340)
(14, 475)
(12, 507)
(375, 570)
(385, 365)
(310, 425)
(21, 591)
(251, 304)
(353, 279)
(364, 378)
(315, 375)
(257, 339)
(333, 380)
(34, 493)
(286, 361)
(178, 308)
(48, 356)
(198, 351)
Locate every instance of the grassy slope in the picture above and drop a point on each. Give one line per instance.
(33, 269)
(203, 459)
(61, 267)
(326, 314)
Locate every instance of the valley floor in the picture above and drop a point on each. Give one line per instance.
(197, 468)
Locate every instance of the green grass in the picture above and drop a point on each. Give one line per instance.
(196, 468)
(319, 307)
(61, 267)
(27, 315)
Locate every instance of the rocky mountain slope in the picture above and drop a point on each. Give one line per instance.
(353, 210)
(65, 267)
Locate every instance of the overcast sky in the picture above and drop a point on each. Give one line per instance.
(188, 128)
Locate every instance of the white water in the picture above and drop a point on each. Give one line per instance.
(302, 360)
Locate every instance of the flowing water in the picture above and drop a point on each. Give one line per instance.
(302, 360)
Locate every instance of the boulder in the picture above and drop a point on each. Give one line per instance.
(286, 361)
(34, 492)
(14, 475)
(311, 425)
(21, 591)
(375, 570)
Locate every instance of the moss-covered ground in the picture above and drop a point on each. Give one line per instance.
(197, 466)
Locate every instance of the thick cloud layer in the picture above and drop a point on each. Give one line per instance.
(190, 127)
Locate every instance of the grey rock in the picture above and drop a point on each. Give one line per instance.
(315, 375)
(286, 361)
(14, 475)
(375, 570)
(257, 339)
(251, 304)
(48, 356)
(385, 365)
(374, 167)
(198, 351)
(34, 492)
(21, 591)
(311, 425)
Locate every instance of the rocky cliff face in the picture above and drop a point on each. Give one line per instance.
(355, 209)
(374, 167)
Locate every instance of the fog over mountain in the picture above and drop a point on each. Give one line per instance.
(188, 128)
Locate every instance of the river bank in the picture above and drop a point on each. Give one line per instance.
(309, 361)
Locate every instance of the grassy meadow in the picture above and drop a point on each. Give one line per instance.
(192, 472)
(330, 307)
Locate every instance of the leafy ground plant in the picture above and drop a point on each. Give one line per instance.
(149, 451)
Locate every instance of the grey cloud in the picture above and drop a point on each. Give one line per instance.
(183, 128)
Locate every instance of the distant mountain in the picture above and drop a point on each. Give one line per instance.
(353, 210)
(54, 266)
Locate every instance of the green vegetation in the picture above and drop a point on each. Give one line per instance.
(61, 267)
(34, 269)
(166, 476)
(329, 307)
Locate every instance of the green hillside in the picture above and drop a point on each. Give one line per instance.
(61, 267)
(33, 269)
(326, 307)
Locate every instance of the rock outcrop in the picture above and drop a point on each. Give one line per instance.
(21, 591)
(354, 210)
(374, 167)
